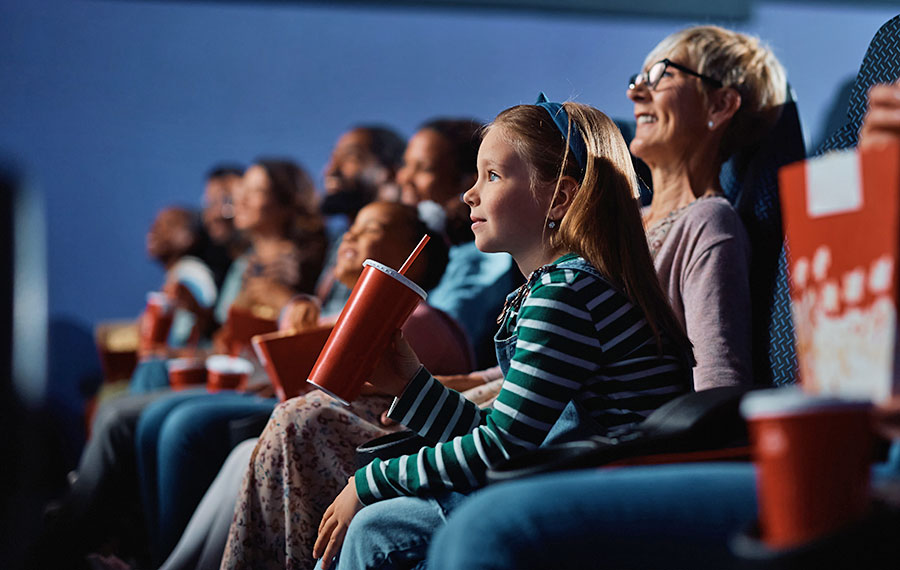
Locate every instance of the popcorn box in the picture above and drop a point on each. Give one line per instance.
(288, 357)
(246, 323)
(117, 344)
(842, 223)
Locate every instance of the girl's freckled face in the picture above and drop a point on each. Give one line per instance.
(506, 214)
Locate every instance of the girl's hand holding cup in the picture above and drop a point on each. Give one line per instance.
(396, 367)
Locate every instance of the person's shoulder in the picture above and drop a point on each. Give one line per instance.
(713, 216)
(190, 266)
(714, 207)
(573, 279)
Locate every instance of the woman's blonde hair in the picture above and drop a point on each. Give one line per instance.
(603, 222)
(739, 61)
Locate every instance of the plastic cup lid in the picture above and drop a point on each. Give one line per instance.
(159, 298)
(186, 363)
(228, 364)
(396, 275)
(792, 401)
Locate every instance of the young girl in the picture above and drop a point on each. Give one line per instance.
(589, 345)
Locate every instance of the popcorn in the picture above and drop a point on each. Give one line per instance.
(821, 262)
(854, 286)
(881, 275)
(801, 272)
(831, 296)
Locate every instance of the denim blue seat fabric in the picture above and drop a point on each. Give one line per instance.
(881, 64)
(750, 182)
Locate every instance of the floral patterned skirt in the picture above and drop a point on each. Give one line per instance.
(302, 461)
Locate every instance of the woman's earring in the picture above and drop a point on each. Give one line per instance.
(551, 224)
(710, 125)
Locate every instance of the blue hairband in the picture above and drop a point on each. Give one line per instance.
(561, 120)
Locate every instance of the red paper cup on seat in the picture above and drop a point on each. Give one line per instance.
(227, 372)
(813, 457)
(379, 304)
(186, 372)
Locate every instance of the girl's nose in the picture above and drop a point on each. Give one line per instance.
(469, 196)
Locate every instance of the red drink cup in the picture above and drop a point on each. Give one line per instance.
(157, 318)
(227, 372)
(813, 457)
(186, 372)
(380, 303)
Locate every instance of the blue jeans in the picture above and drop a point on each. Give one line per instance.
(394, 533)
(182, 441)
(677, 516)
(149, 375)
(665, 516)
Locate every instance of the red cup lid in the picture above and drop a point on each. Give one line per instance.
(792, 400)
(396, 275)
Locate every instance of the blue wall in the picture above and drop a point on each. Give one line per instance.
(118, 107)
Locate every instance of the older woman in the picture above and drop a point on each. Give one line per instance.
(704, 93)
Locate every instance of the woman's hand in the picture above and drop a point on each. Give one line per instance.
(223, 340)
(882, 121)
(266, 291)
(302, 312)
(335, 521)
(397, 367)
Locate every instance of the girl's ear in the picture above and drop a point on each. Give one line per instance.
(723, 104)
(562, 200)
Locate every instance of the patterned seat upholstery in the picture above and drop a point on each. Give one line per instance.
(750, 181)
(881, 64)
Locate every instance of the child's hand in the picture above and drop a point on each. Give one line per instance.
(335, 521)
(397, 367)
(301, 312)
(462, 382)
(882, 121)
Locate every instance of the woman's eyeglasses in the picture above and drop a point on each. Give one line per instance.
(651, 77)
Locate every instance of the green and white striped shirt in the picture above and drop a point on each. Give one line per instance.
(578, 339)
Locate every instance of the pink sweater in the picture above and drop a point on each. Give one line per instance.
(703, 259)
